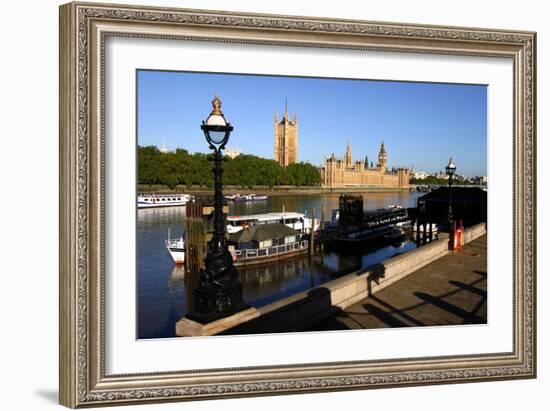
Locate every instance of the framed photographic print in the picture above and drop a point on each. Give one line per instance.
(259, 204)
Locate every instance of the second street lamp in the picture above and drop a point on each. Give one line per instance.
(219, 293)
(450, 170)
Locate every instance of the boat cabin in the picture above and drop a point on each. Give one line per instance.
(263, 236)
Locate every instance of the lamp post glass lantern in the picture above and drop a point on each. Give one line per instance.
(450, 170)
(219, 293)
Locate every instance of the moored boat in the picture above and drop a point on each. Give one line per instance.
(297, 226)
(245, 198)
(150, 200)
(296, 221)
(262, 243)
(176, 248)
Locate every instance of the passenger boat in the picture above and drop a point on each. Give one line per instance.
(261, 243)
(245, 198)
(385, 224)
(176, 248)
(150, 200)
(296, 221)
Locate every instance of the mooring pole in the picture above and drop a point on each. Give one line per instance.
(311, 232)
(322, 244)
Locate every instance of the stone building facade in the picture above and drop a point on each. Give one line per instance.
(344, 173)
(232, 152)
(286, 139)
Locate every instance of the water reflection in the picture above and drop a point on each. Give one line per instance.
(165, 290)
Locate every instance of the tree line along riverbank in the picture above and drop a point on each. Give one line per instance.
(180, 168)
(272, 191)
(168, 171)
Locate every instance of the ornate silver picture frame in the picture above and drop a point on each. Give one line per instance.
(84, 30)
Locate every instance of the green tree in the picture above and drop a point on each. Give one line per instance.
(180, 167)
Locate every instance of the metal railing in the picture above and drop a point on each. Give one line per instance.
(270, 251)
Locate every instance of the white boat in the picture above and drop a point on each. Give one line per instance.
(176, 248)
(149, 200)
(248, 197)
(296, 221)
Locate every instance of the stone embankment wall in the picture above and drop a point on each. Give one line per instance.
(305, 308)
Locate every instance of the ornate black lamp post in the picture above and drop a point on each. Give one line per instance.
(450, 170)
(219, 293)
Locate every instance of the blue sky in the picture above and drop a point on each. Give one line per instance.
(421, 124)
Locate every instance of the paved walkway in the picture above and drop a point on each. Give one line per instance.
(449, 291)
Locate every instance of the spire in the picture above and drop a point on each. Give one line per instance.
(286, 106)
(348, 155)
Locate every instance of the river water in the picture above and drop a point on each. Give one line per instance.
(164, 294)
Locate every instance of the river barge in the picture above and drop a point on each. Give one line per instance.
(262, 243)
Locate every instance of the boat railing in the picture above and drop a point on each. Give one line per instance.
(165, 195)
(270, 251)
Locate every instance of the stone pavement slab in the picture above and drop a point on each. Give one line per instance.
(449, 291)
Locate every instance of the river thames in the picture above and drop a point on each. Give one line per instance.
(165, 291)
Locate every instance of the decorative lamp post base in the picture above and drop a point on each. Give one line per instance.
(217, 300)
(220, 293)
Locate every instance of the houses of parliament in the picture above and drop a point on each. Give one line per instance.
(338, 173)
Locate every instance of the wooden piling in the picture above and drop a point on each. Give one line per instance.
(311, 233)
(194, 241)
(322, 227)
